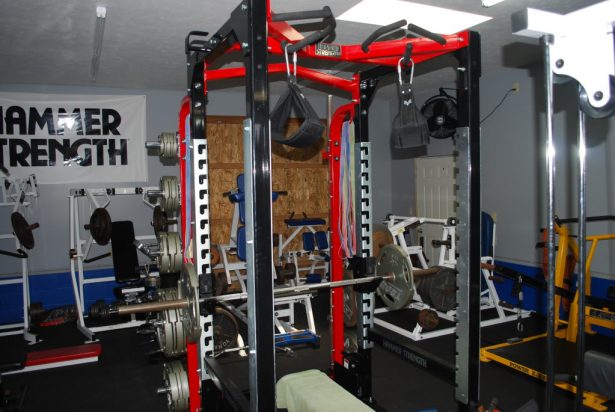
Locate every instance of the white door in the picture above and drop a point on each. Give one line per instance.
(435, 198)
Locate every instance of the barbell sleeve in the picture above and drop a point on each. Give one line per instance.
(152, 307)
(153, 145)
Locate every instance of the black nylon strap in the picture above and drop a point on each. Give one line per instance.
(311, 128)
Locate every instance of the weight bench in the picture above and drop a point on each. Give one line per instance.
(315, 245)
(313, 390)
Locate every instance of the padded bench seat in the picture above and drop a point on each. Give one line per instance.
(312, 390)
(599, 373)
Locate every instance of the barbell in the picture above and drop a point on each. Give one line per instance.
(168, 192)
(166, 146)
(393, 276)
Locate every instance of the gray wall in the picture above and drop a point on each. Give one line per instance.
(513, 165)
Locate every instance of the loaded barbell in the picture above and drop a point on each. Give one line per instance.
(393, 282)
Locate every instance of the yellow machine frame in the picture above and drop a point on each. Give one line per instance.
(566, 329)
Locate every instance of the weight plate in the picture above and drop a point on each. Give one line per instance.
(169, 259)
(350, 302)
(168, 145)
(395, 292)
(188, 288)
(170, 332)
(176, 381)
(381, 236)
(22, 230)
(443, 290)
(100, 226)
(169, 187)
(428, 319)
(225, 329)
(159, 221)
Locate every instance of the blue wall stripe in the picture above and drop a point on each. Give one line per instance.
(53, 290)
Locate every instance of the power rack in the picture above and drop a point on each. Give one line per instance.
(256, 32)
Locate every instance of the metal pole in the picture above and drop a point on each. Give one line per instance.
(467, 344)
(582, 268)
(547, 42)
(257, 169)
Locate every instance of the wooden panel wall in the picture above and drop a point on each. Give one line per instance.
(300, 172)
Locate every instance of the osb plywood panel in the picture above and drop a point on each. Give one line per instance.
(300, 172)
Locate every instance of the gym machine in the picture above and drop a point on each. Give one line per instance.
(100, 227)
(17, 194)
(567, 57)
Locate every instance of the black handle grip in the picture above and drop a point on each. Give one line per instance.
(426, 33)
(303, 15)
(407, 54)
(315, 37)
(282, 193)
(381, 31)
(188, 39)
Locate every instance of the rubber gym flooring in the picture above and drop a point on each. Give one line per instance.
(126, 378)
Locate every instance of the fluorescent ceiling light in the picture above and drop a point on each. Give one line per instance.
(435, 19)
(489, 3)
(99, 32)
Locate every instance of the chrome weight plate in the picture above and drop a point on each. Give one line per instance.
(170, 331)
(397, 291)
(176, 384)
(188, 288)
(169, 186)
(169, 259)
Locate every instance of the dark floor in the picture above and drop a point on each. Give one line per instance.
(125, 378)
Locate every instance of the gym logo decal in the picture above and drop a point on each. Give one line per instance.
(73, 138)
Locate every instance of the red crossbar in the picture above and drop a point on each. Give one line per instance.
(43, 357)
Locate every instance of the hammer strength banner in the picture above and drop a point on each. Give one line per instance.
(73, 138)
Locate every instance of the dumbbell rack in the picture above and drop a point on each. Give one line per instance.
(82, 247)
(17, 193)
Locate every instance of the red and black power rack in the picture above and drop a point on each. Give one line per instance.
(256, 33)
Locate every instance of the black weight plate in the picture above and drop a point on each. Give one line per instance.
(160, 221)
(22, 230)
(443, 290)
(100, 226)
(350, 303)
(225, 329)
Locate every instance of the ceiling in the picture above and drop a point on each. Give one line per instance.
(51, 42)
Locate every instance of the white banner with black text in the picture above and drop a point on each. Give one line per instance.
(73, 138)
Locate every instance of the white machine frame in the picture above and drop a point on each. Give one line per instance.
(18, 193)
(292, 256)
(83, 246)
(490, 299)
